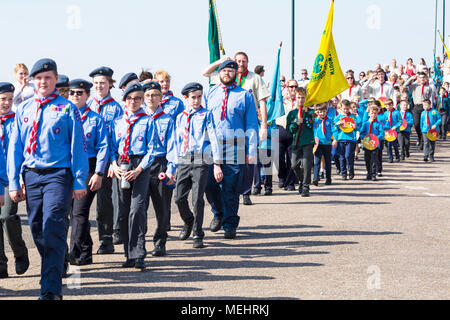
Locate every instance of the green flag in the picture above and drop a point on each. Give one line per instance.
(214, 37)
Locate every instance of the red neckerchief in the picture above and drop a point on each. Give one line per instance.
(382, 85)
(85, 113)
(226, 90)
(126, 146)
(100, 104)
(371, 124)
(323, 124)
(186, 128)
(3, 119)
(33, 139)
(166, 98)
(243, 76)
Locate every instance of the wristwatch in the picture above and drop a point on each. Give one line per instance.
(99, 174)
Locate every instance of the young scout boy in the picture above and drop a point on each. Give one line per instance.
(196, 142)
(429, 119)
(405, 132)
(323, 132)
(393, 121)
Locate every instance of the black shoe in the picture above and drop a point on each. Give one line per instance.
(407, 154)
(402, 157)
(418, 143)
(397, 159)
(139, 263)
(246, 200)
(281, 184)
(338, 171)
(84, 261)
(322, 175)
(215, 225)
(129, 263)
(159, 251)
(351, 175)
(305, 192)
(186, 232)
(425, 159)
(50, 296)
(65, 269)
(230, 233)
(316, 183)
(289, 188)
(117, 239)
(256, 191)
(344, 177)
(374, 178)
(268, 192)
(391, 160)
(22, 264)
(198, 243)
(431, 159)
(328, 182)
(369, 177)
(379, 174)
(421, 147)
(105, 249)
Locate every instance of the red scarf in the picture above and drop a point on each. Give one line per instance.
(167, 97)
(428, 118)
(186, 129)
(226, 90)
(371, 124)
(126, 146)
(242, 78)
(85, 113)
(33, 139)
(350, 90)
(390, 118)
(3, 119)
(382, 85)
(100, 104)
(323, 124)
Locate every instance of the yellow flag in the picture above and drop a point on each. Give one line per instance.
(443, 43)
(327, 79)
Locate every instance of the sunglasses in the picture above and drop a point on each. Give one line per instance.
(292, 87)
(73, 93)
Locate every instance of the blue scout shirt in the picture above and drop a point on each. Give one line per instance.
(60, 141)
(142, 140)
(340, 135)
(445, 108)
(173, 107)
(97, 140)
(3, 176)
(165, 128)
(241, 119)
(202, 134)
(396, 120)
(272, 133)
(377, 130)
(324, 139)
(409, 120)
(434, 120)
(7, 130)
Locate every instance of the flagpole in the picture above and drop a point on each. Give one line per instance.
(443, 24)
(293, 40)
(435, 26)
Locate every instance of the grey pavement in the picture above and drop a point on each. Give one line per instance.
(354, 239)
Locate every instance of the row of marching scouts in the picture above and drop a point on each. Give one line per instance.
(152, 146)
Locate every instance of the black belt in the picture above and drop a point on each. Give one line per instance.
(35, 170)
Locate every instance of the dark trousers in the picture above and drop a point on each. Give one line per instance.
(247, 182)
(192, 174)
(159, 194)
(325, 151)
(392, 145)
(443, 130)
(263, 170)
(132, 213)
(428, 146)
(105, 210)
(371, 159)
(283, 164)
(80, 237)
(347, 156)
(224, 196)
(380, 157)
(403, 141)
(48, 198)
(417, 112)
(302, 164)
(11, 226)
(335, 157)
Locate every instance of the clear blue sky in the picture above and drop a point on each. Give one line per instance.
(172, 34)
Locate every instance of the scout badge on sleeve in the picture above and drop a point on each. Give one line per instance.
(348, 124)
(432, 134)
(370, 142)
(390, 135)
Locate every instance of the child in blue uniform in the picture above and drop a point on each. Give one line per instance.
(429, 119)
(323, 135)
(392, 121)
(443, 106)
(405, 132)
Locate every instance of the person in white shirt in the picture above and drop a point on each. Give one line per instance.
(354, 90)
(304, 80)
(379, 87)
(24, 89)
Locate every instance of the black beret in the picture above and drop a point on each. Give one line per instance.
(228, 64)
(43, 65)
(63, 81)
(132, 88)
(80, 84)
(192, 86)
(127, 78)
(6, 87)
(151, 85)
(102, 71)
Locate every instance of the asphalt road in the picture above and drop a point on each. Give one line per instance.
(354, 239)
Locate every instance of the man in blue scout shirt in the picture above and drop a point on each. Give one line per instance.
(107, 214)
(131, 158)
(9, 220)
(196, 142)
(165, 155)
(236, 122)
(97, 143)
(48, 144)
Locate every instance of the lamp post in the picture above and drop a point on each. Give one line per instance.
(293, 39)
